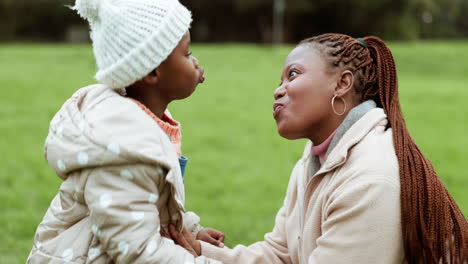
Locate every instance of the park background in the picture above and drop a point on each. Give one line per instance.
(239, 166)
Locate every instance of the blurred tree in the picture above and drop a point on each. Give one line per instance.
(252, 20)
(34, 19)
(448, 18)
(279, 8)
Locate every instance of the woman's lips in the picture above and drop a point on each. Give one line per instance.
(277, 109)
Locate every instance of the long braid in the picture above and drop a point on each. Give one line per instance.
(433, 227)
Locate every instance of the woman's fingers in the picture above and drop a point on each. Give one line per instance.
(211, 236)
(193, 242)
(214, 242)
(219, 236)
(180, 240)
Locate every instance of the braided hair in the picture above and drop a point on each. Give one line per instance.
(433, 227)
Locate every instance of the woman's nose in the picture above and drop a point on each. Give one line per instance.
(279, 92)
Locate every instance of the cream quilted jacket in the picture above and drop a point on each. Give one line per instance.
(347, 211)
(121, 184)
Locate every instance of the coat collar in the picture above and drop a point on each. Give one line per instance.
(353, 116)
(338, 155)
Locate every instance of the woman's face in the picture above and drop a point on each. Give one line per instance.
(303, 100)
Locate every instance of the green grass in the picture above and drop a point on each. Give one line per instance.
(239, 166)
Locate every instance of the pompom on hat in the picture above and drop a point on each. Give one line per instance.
(131, 38)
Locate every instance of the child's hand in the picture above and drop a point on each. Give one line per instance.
(185, 240)
(211, 236)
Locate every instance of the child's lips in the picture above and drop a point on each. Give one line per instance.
(202, 75)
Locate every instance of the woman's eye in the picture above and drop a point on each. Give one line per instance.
(292, 73)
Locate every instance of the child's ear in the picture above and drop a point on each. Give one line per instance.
(152, 78)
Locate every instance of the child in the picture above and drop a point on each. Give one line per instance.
(116, 147)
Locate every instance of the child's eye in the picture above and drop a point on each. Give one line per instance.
(189, 54)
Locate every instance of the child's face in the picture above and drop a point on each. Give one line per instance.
(180, 73)
(302, 102)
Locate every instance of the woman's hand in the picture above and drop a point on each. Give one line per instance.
(185, 240)
(211, 236)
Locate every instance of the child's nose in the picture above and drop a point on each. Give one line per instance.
(195, 62)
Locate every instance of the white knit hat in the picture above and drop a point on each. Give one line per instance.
(132, 37)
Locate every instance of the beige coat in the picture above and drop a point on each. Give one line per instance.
(121, 184)
(347, 212)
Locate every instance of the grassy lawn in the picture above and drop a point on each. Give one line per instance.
(239, 166)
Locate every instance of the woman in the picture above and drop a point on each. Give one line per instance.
(362, 192)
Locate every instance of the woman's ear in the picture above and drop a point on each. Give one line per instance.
(344, 84)
(152, 78)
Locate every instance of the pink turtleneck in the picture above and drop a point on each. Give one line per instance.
(321, 149)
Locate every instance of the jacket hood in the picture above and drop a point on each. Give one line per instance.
(99, 127)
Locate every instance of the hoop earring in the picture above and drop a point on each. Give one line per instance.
(333, 105)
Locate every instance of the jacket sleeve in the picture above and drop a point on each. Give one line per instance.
(122, 203)
(361, 224)
(192, 223)
(273, 249)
